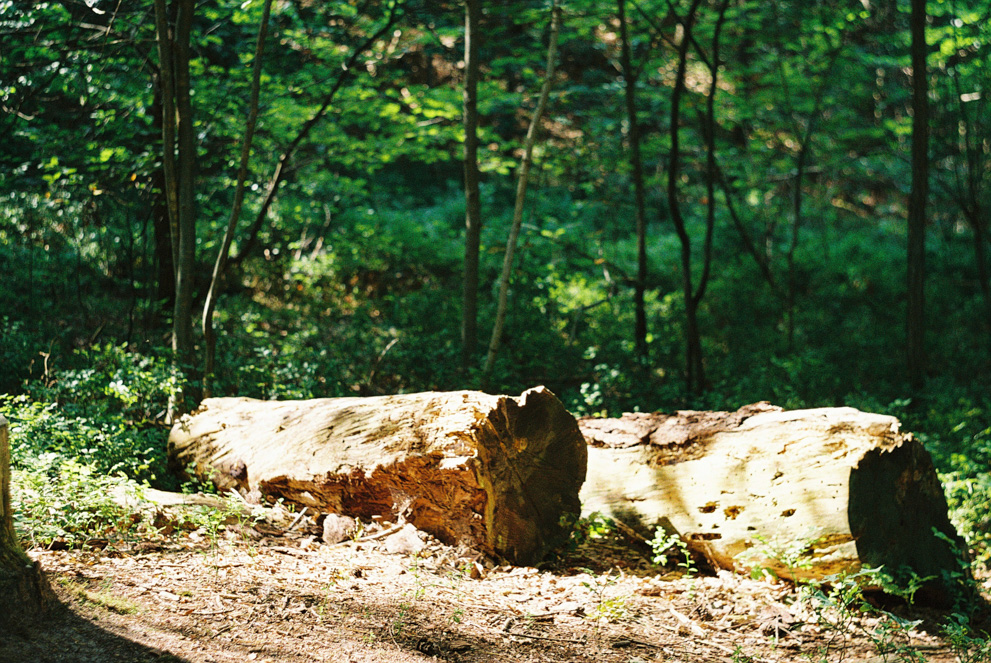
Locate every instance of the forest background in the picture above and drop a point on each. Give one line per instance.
(717, 214)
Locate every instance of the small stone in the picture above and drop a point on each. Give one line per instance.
(406, 541)
(337, 528)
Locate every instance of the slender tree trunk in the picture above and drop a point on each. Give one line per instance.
(801, 167)
(473, 205)
(182, 337)
(164, 267)
(639, 195)
(915, 319)
(161, 224)
(521, 185)
(969, 197)
(980, 238)
(209, 338)
(179, 163)
(711, 170)
(694, 370)
(760, 259)
(796, 224)
(166, 50)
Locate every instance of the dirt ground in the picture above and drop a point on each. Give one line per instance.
(265, 594)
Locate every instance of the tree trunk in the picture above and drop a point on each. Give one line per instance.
(804, 138)
(178, 164)
(796, 224)
(639, 195)
(164, 266)
(182, 338)
(500, 474)
(915, 318)
(24, 593)
(524, 178)
(473, 204)
(751, 483)
(209, 338)
(166, 80)
(980, 243)
(709, 133)
(694, 368)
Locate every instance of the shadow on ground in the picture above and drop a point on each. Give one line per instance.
(66, 637)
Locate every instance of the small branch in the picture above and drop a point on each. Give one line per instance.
(545, 637)
(298, 518)
(380, 535)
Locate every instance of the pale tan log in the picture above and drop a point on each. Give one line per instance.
(851, 483)
(498, 473)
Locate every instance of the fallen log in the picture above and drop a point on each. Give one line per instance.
(804, 493)
(500, 474)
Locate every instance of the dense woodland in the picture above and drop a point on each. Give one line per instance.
(678, 203)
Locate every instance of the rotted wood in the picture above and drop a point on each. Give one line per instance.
(498, 473)
(803, 493)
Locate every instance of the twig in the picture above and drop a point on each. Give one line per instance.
(292, 551)
(697, 630)
(379, 535)
(546, 637)
(641, 642)
(549, 638)
(298, 518)
(212, 612)
(630, 532)
(378, 360)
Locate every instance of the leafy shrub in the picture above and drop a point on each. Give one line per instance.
(56, 498)
(969, 647)
(18, 351)
(670, 546)
(107, 443)
(108, 380)
(106, 415)
(836, 603)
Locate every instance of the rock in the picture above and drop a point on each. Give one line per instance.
(406, 541)
(337, 528)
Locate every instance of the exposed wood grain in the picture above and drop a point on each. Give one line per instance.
(742, 487)
(499, 473)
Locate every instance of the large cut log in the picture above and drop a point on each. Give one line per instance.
(743, 487)
(498, 473)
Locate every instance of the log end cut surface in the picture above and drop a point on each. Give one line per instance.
(532, 464)
(896, 504)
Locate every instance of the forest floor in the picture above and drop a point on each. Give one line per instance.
(262, 593)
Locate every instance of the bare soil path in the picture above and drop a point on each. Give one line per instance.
(248, 596)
